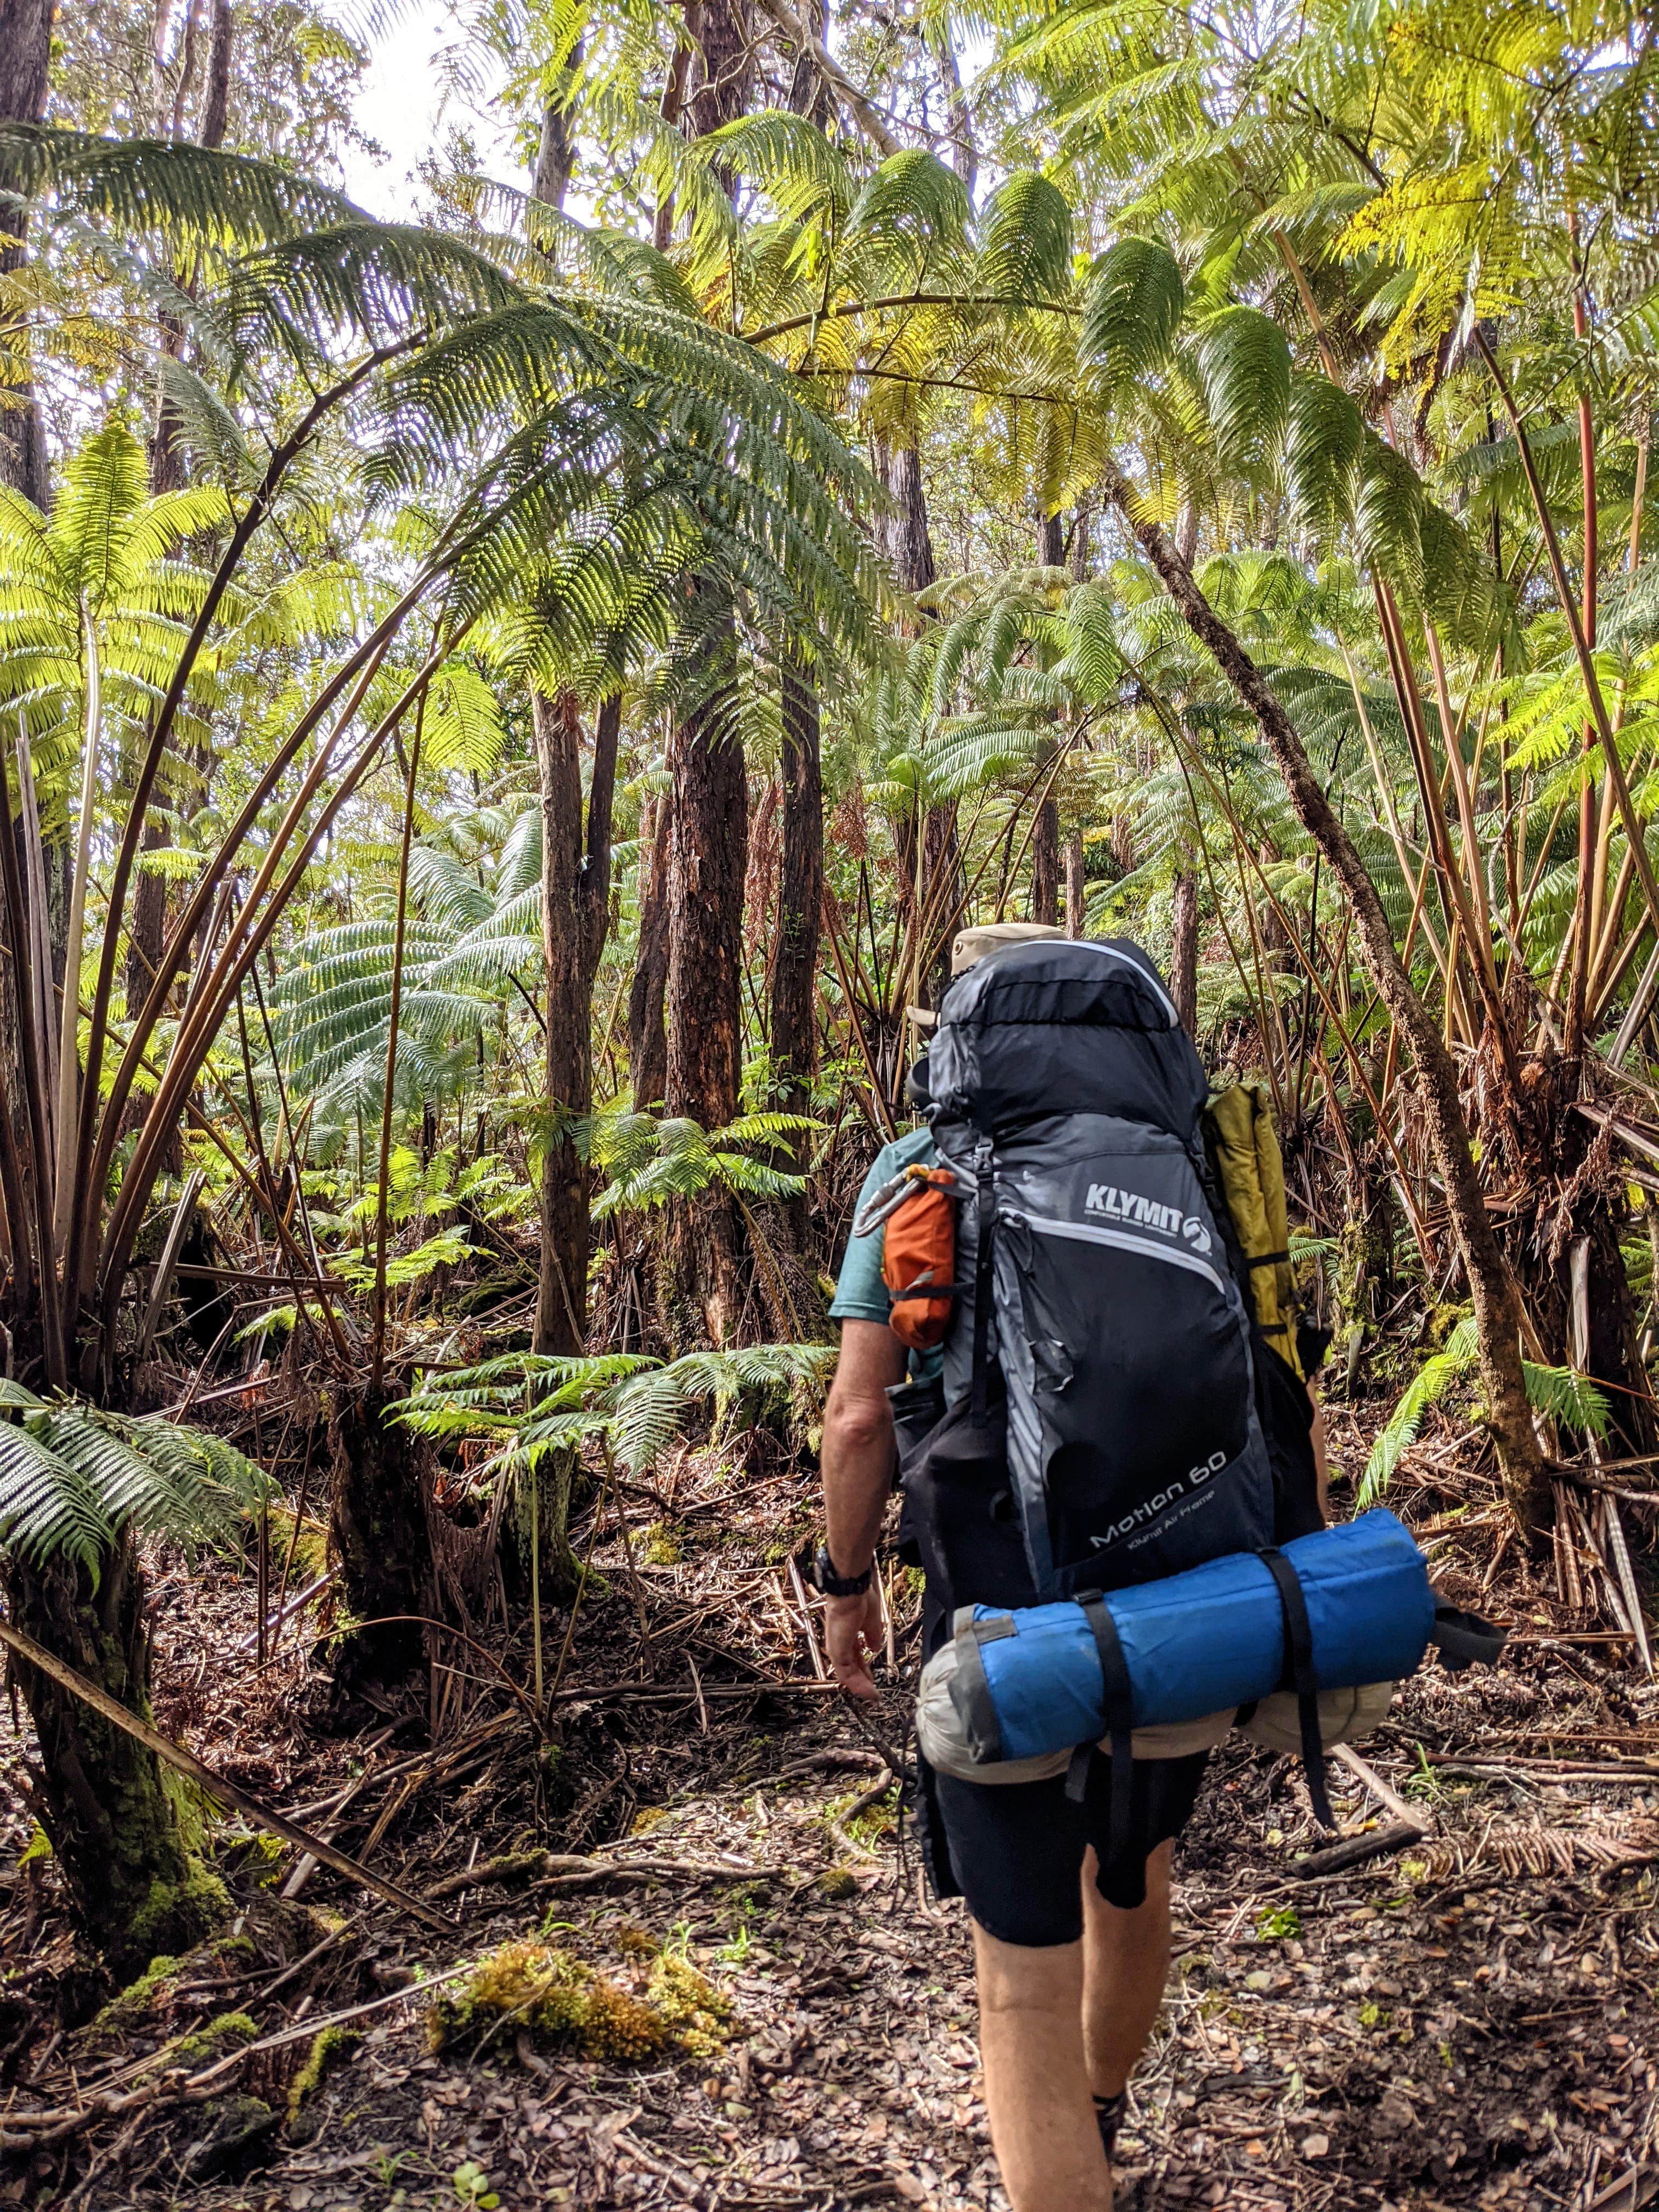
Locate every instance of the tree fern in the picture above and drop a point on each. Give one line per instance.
(74, 1478)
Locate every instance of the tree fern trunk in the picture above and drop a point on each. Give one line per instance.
(1045, 865)
(119, 1833)
(705, 874)
(647, 1038)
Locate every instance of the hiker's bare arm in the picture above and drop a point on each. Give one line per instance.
(1321, 1470)
(858, 1480)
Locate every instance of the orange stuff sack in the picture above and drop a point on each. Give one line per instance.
(919, 1249)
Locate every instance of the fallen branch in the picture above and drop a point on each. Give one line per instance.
(1411, 1816)
(1354, 1851)
(221, 1785)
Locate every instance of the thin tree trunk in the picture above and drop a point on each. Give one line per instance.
(800, 893)
(25, 52)
(1045, 864)
(1075, 890)
(1497, 1308)
(561, 1299)
(647, 1037)
(1183, 952)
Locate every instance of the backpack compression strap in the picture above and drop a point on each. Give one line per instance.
(984, 1214)
(1119, 1724)
(1464, 1638)
(1299, 1642)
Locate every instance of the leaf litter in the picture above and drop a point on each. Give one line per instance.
(1468, 2021)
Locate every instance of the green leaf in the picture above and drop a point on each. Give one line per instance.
(1244, 366)
(1133, 311)
(1025, 240)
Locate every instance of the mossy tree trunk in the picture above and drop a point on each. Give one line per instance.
(113, 1814)
(379, 1535)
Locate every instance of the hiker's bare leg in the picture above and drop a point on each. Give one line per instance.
(1036, 2079)
(1126, 1963)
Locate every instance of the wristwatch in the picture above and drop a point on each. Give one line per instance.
(835, 1585)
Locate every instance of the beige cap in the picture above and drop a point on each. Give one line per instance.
(971, 945)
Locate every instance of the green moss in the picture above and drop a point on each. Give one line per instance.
(561, 2000)
(876, 1821)
(123, 2012)
(329, 2049)
(662, 1547)
(647, 1817)
(310, 1553)
(180, 1913)
(217, 2036)
(837, 1882)
(698, 2015)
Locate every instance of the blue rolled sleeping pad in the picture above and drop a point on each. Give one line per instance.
(1035, 1681)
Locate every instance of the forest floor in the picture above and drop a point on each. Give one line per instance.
(1468, 2020)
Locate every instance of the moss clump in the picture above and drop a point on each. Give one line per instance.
(329, 2050)
(662, 1547)
(697, 2015)
(216, 2037)
(647, 1817)
(837, 1882)
(122, 2013)
(560, 2000)
(177, 1915)
(634, 1942)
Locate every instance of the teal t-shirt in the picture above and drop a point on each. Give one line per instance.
(860, 1294)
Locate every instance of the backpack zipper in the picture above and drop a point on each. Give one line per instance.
(1086, 1232)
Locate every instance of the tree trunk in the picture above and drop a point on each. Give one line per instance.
(800, 895)
(575, 895)
(1051, 541)
(1497, 1308)
(1184, 951)
(709, 858)
(379, 1504)
(647, 1038)
(25, 51)
(1075, 891)
(723, 73)
(106, 1803)
(911, 540)
(1045, 864)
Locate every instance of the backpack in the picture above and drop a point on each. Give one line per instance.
(1105, 1376)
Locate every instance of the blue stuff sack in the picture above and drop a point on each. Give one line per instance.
(1037, 1680)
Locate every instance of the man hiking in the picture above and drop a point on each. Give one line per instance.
(1071, 1960)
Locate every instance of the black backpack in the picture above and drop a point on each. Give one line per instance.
(1112, 1414)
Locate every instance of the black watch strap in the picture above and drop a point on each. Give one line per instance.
(835, 1585)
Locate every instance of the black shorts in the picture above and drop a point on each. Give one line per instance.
(1015, 1848)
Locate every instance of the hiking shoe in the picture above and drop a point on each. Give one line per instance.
(1110, 2113)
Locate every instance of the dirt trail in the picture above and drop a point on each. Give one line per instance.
(1408, 2033)
(1469, 2021)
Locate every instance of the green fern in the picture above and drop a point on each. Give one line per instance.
(1560, 1393)
(74, 1478)
(525, 1407)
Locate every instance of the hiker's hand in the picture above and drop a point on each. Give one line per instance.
(850, 1624)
